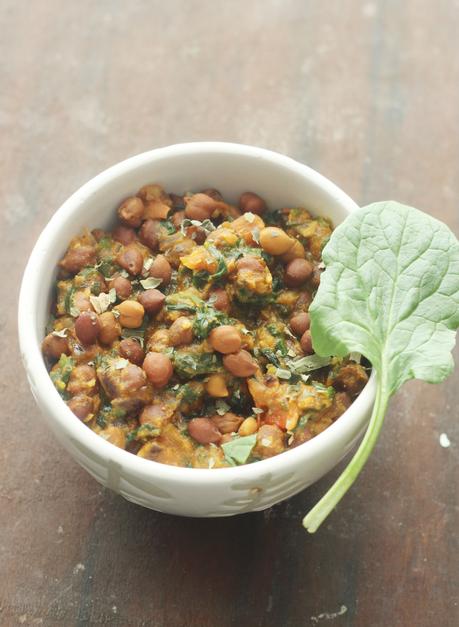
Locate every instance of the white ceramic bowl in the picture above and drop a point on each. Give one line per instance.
(231, 168)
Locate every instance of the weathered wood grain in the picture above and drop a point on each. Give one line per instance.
(366, 92)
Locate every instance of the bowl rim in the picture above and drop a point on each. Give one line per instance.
(49, 399)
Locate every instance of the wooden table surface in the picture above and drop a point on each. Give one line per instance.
(365, 92)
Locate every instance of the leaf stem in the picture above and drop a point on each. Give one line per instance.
(328, 502)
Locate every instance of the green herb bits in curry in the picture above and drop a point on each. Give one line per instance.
(182, 335)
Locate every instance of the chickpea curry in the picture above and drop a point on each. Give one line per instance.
(182, 335)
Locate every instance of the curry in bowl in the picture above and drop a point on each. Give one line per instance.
(182, 335)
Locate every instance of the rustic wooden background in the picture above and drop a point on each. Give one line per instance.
(366, 92)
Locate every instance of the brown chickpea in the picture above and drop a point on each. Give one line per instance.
(77, 258)
(232, 212)
(225, 339)
(130, 259)
(315, 278)
(204, 431)
(131, 211)
(98, 234)
(54, 346)
(177, 218)
(351, 378)
(130, 349)
(177, 201)
(299, 323)
(128, 381)
(304, 300)
(213, 193)
(131, 314)
(122, 287)
(249, 262)
(152, 191)
(216, 386)
(220, 299)
(82, 380)
(306, 343)
(81, 301)
(110, 328)
(252, 202)
(240, 364)
(160, 339)
(181, 332)
(275, 241)
(197, 234)
(156, 210)
(295, 252)
(148, 234)
(158, 368)
(152, 300)
(297, 272)
(200, 206)
(123, 234)
(228, 423)
(87, 327)
(161, 269)
(270, 441)
(81, 405)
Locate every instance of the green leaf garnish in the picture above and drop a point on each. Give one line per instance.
(102, 302)
(237, 450)
(188, 365)
(270, 356)
(206, 225)
(120, 363)
(283, 373)
(180, 307)
(105, 243)
(390, 291)
(307, 364)
(183, 301)
(206, 319)
(143, 432)
(221, 407)
(68, 303)
(62, 333)
(189, 392)
(200, 279)
(150, 283)
(148, 262)
(222, 268)
(168, 227)
(106, 266)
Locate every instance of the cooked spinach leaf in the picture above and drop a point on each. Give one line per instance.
(187, 365)
(61, 372)
(200, 279)
(206, 319)
(270, 356)
(168, 226)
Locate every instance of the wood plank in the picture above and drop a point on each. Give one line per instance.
(367, 93)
